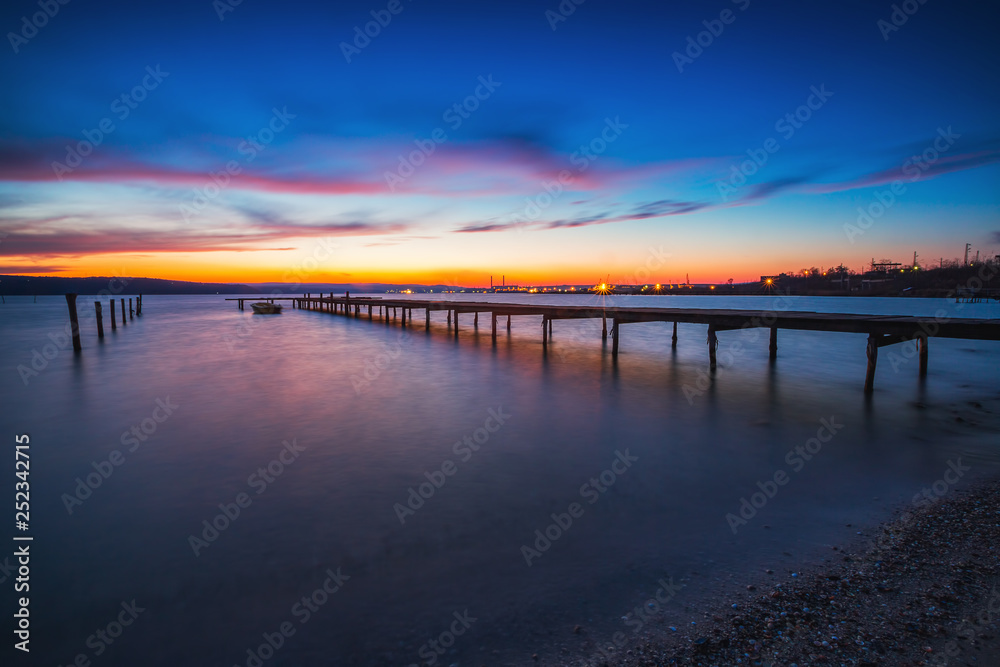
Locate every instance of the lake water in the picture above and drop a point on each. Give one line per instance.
(368, 412)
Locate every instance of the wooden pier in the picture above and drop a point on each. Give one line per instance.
(881, 330)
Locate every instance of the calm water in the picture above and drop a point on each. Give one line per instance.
(372, 411)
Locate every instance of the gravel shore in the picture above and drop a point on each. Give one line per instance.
(924, 589)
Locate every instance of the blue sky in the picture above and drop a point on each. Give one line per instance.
(509, 186)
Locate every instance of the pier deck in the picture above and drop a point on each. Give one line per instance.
(881, 330)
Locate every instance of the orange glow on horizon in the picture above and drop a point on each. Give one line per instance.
(370, 266)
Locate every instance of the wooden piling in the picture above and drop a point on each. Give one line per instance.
(74, 321)
(872, 352)
(475, 320)
(100, 319)
(427, 323)
(550, 327)
(713, 344)
(772, 347)
(508, 323)
(456, 323)
(493, 319)
(114, 324)
(402, 321)
(673, 339)
(449, 317)
(545, 328)
(138, 305)
(123, 312)
(922, 345)
(614, 338)
(604, 327)
(131, 313)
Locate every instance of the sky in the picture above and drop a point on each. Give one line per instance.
(447, 142)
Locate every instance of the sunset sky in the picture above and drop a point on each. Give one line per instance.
(550, 147)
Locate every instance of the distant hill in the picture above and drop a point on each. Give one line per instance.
(32, 285)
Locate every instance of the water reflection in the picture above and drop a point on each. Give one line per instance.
(572, 407)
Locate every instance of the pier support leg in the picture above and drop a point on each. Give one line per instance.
(545, 328)
(456, 324)
(114, 322)
(138, 305)
(550, 327)
(614, 338)
(772, 347)
(123, 312)
(604, 327)
(872, 361)
(493, 319)
(475, 320)
(508, 323)
(100, 319)
(427, 320)
(673, 340)
(449, 317)
(74, 321)
(922, 345)
(402, 322)
(369, 312)
(713, 344)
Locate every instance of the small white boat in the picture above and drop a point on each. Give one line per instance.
(263, 308)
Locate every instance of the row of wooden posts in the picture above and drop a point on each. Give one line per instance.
(918, 330)
(75, 321)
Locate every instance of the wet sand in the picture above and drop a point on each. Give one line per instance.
(922, 589)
